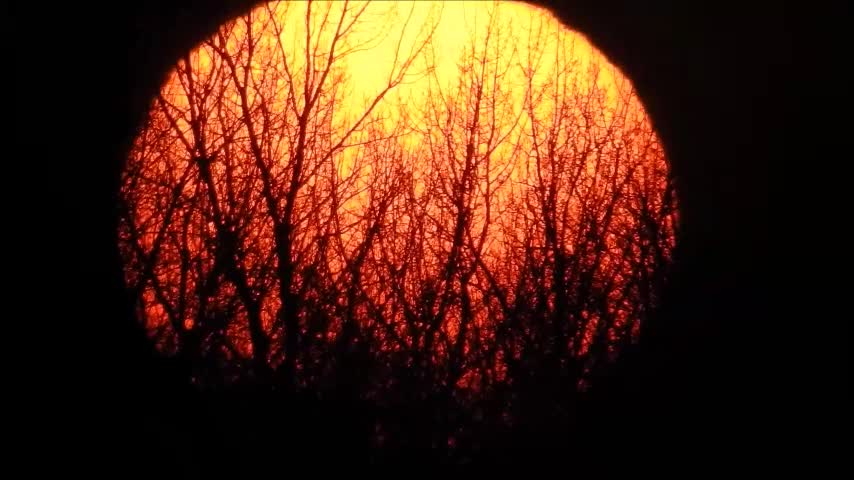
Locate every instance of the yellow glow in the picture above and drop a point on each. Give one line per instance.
(388, 31)
(458, 26)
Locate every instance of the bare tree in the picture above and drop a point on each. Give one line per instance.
(504, 232)
(259, 135)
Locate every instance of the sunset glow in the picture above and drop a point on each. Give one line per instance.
(458, 190)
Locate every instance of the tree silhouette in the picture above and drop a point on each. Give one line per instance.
(479, 248)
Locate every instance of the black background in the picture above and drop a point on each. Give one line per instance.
(708, 384)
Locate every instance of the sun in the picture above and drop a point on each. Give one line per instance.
(464, 190)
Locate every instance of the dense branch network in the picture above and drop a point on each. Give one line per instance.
(507, 224)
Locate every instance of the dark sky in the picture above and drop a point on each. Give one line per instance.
(716, 80)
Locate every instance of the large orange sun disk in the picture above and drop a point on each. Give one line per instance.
(397, 154)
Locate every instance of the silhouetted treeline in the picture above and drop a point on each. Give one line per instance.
(470, 255)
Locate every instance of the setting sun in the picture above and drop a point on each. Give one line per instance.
(449, 195)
